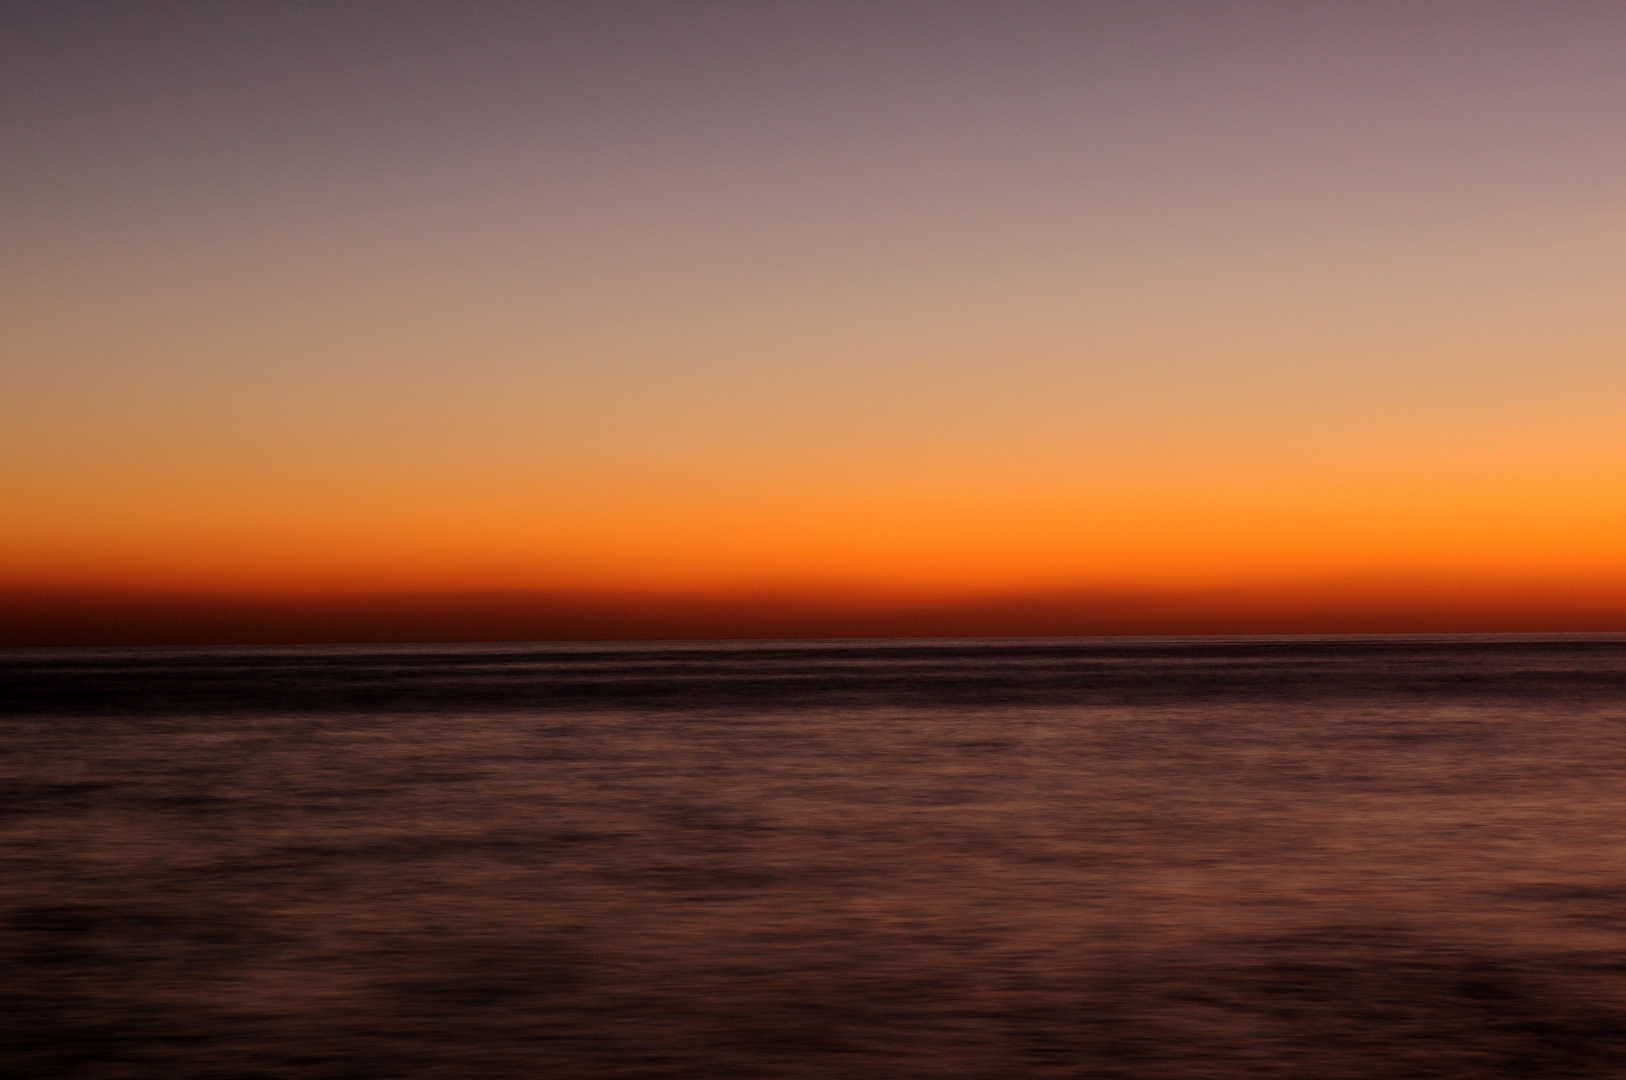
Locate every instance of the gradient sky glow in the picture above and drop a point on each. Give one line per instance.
(903, 300)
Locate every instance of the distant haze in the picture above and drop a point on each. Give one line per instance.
(341, 322)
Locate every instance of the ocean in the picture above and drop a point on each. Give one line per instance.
(1222, 857)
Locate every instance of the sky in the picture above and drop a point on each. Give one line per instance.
(838, 317)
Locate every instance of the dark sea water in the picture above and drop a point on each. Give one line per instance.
(1398, 857)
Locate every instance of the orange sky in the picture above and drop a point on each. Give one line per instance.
(1231, 303)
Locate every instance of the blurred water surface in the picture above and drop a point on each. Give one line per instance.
(1139, 858)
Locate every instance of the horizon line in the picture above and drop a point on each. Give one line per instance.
(66, 617)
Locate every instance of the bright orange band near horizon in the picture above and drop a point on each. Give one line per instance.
(1435, 554)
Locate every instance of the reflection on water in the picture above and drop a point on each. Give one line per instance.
(1198, 858)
